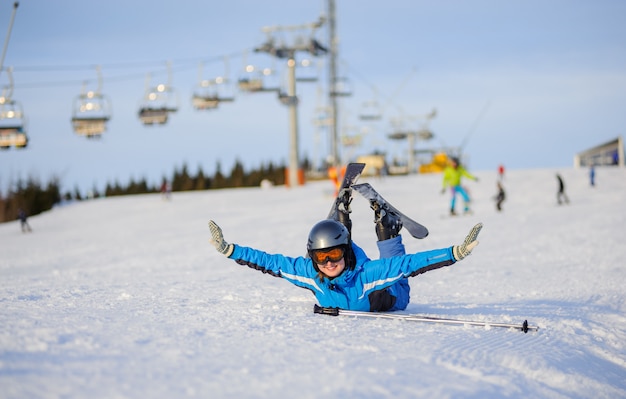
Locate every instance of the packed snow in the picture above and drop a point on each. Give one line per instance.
(126, 298)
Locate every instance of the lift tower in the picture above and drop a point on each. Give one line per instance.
(284, 50)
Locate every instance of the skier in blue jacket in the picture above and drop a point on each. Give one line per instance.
(338, 271)
(388, 226)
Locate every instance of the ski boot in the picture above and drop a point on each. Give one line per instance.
(344, 198)
(388, 225)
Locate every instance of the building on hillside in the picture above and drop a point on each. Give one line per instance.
(607, 154)
(375, 164)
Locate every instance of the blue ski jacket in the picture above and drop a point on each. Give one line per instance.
(352, 288)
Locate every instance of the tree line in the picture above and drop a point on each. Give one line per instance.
(34, 197)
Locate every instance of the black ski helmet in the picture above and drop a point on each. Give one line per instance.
(327, 234)
(330, 233)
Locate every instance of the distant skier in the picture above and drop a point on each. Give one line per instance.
(166, 190)
(452, 175)
(500, 197)
(560, 195)
(23, 217)
(336, 176)
(592, 176)
(501, 172)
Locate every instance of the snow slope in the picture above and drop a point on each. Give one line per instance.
(125, 298)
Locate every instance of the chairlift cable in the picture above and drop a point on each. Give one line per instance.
(6, 41)
(474, 126)
(131, 76)
(389, 99)
(119, 65)
(119, 78)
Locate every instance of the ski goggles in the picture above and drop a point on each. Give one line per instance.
(321, 256)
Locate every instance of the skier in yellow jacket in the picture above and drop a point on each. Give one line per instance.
(452, 175)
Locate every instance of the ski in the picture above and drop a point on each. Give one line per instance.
(366, 190)
(524, 326)
(352, 174)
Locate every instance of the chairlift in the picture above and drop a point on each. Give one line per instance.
(283, 93)
(210, 93)
(12, 138)
(256, 80)
(12, 125)
(352, 141)
(158, 103)
(402, 132)
(202, 102)
(12, 119)
(304, 73)
(323, 116)
(425, 134)
(341, 88)
(249, 82)
(370, 111)
(91, 111)
(286, 99)
(399, 135)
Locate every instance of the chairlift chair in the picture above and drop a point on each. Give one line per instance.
(304, 73)
(322, 117)
(12, 119)
(12, 138)
(206, 97)
(150, 116)
(211, 92)
(351, 141)
(12, 125)
(425, 134)
(341, 88)
(91, 111)
(90, 115)
(159, 102)
(398, 135)
(370, 111)
(286, 99)
(12, 129)
(251, 81)
(250, 84)
(257, 80)
(202, 102)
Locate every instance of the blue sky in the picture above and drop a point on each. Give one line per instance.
(523, 83)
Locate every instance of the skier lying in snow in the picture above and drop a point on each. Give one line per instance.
(338, 271)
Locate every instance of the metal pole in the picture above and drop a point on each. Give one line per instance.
(332, 83)
(411, 141)
(294, 164)
(6, 42)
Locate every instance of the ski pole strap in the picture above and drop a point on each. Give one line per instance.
(327, 311)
